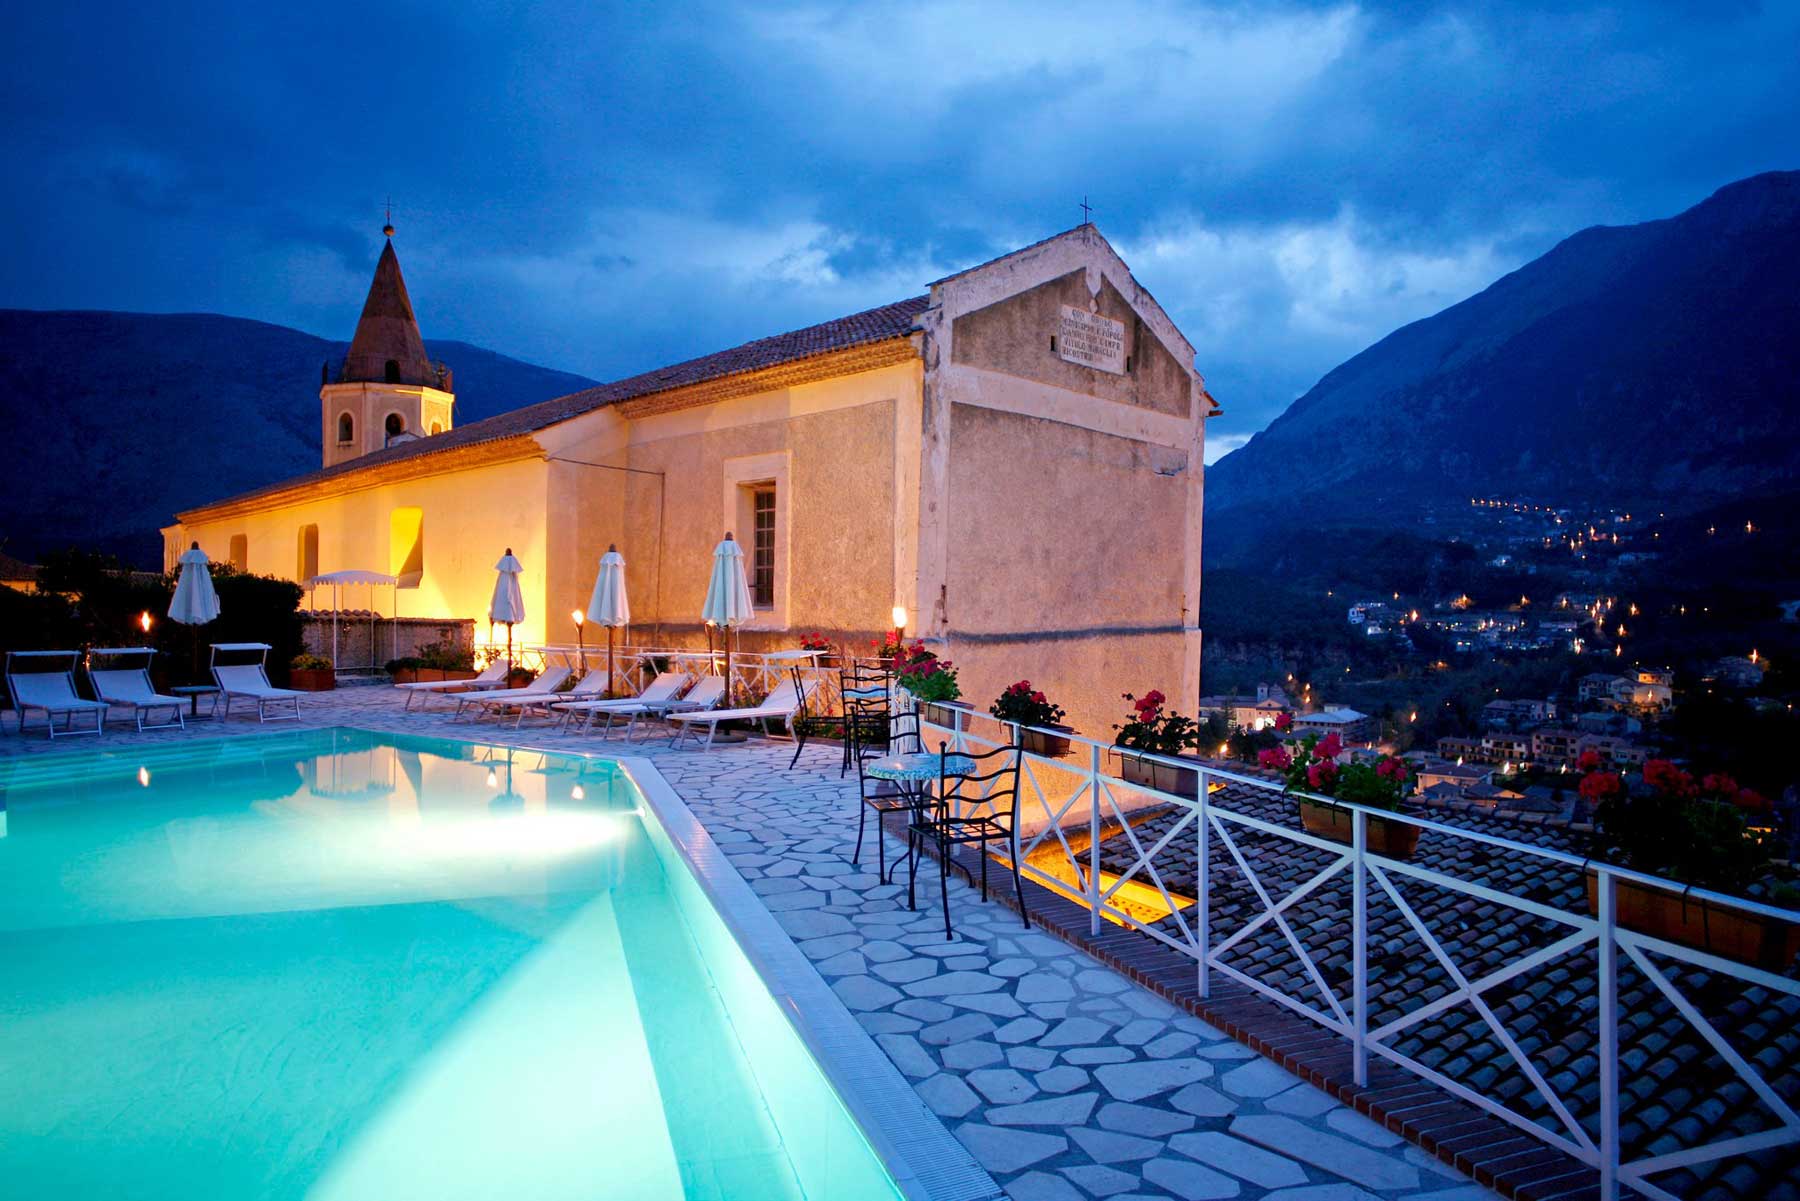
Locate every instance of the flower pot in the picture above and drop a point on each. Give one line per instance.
(407, 675)
(827, 660)
(1716, 927)
(1396, 840)
(519, 677)
(1163, 777)
(1040, 742)
(945, 713)
(453, 673)
(312, 679)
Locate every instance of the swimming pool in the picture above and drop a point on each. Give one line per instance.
(341, 965)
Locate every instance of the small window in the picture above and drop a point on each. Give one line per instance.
(346, 429)
(392, 371)
(396, 425)
(762, 546)
(406, 546)
(307, 556)
(437, 427)
(240, 552)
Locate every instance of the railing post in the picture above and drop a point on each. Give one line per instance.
(1359, 942)
(1093, 872)
(1606, 885)
(1203, 849)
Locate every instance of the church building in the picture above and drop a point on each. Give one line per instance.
(1013, 457)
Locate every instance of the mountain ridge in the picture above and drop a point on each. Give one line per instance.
(1549, 381)
(213, 405)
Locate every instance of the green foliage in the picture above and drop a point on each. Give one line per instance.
(310, 663)
(446, 655)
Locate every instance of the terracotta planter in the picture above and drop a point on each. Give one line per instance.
(827, 660)
(1396, 840)
(407, 675)
(519, 677)
(1161, 776)
(448, 673)
(945, 713)
(1706, 925)
(312, 679)
(1051, 746)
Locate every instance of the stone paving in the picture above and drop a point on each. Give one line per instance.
(1063, 1078)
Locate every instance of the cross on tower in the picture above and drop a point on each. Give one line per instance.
(1087, 211)
(387, 220)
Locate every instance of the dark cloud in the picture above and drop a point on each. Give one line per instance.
(603, 188)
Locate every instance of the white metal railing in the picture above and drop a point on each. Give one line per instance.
(1059, 798)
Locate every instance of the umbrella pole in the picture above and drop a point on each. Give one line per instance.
(729, 699)
(611, 680)
(509, 653)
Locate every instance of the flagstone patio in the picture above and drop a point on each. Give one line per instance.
(1062, 1077)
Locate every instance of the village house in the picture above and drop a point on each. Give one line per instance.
(1246, 713)
(1024, 432)
(1348, 724)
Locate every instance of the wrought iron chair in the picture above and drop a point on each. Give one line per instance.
(871, 736)
(865, 691)
(977, 803)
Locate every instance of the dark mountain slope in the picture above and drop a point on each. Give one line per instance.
(116, 420)
(1655, 363)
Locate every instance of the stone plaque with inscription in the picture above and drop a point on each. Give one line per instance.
(1091, 340)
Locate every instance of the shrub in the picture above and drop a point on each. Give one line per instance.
(1154, 730)
(1023, 704)
(310, 663)
(1699, 832)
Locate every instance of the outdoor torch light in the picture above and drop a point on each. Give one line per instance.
(144, 621)
(580, 646)
(899, 616)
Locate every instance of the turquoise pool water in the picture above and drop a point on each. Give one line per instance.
(338, 965)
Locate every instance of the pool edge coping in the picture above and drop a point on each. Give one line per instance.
(921, 1155)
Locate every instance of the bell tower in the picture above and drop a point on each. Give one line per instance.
(386, 390)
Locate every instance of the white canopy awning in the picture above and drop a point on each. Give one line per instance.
(352, 577)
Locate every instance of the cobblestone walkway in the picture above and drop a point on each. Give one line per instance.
(1064, 1079)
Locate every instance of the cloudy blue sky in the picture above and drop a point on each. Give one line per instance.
(606, 189)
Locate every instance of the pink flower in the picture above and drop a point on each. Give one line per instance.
(1320, 775)
(1284, 721)
(1330, 747)
(1275, 757)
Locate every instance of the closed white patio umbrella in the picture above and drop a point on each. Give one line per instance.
(508, 605)
(727, 596)
(609, 605)
(195, 602)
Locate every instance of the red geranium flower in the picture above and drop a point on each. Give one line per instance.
(1589, 761)
(1600, 786)
(1284, 721)
(1719, 784)
(1330, 747)
(1320, 775)
(1275, 757)
(1669, 779)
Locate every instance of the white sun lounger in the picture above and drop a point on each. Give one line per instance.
(129, 687)
(592, 686)
(550, 681)
(495, 673)
(782, 703)
(51, 693)
(250, 682)
(659, 696)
